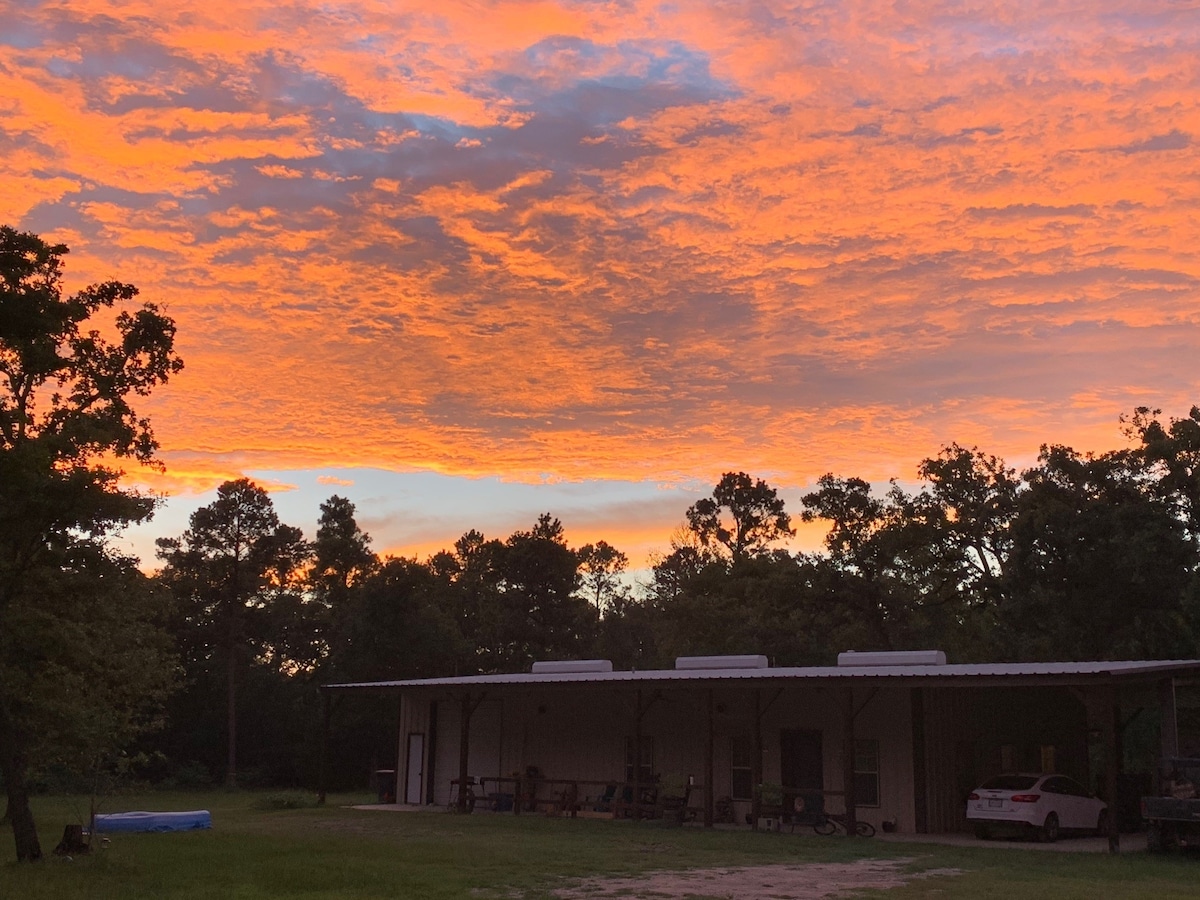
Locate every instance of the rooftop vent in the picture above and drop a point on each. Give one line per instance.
(720, 662)
(570, 666)
(892, 658)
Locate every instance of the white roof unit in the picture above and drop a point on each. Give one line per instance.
(721, 662)
(571, 666)
(892, 658)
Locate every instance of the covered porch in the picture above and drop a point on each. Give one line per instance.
(897, 744)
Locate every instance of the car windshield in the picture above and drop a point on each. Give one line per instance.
(1010, 783)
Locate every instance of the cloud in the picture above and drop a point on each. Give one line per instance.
(1174, 140)
(568, 240)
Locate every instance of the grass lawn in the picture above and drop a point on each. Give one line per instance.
(255, 852)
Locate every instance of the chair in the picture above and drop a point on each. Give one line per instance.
(673, 799)
(622, 806)
(604, 802)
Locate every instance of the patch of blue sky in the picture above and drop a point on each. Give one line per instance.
(403, 511)
(625, 64)
(417, 513)
(20, 35)
(60, 68)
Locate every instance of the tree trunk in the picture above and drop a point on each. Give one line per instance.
(12, 764)
(231, 703)
(231, 719)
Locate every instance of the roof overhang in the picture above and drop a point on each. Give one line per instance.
(968, 675)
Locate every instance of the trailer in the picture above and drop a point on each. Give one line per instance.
(1173, 817)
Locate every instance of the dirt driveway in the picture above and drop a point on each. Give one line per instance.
(810, 881)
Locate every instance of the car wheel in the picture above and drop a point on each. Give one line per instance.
(1102, 823)
(1048, 833)
(983, 832)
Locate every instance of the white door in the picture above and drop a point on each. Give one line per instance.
(414, 768)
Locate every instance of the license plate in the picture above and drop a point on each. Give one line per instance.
(995, 804)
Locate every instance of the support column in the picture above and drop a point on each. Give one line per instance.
(1111, 715)
(467, 708)
(1168, 721)
(757, 771)
(848, 763)
(708, 764)
(637, 759)
(920, 776)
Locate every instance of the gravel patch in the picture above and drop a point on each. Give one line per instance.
(811, 881)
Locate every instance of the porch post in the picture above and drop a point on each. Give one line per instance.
(708, 765)
(464, 741)
(323, 769)
(848, 765)
(637, 759)
(757, 771)
(920, 776)
(1111, 712)
(1168, 723)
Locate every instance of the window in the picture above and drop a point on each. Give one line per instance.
(866, 773)
(646, 775)
(1055, 786)
(741, 768)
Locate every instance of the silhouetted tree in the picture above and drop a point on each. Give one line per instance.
(1171, 454)
(601, 566)
(743, 516)
(541, 616)
(226, 570)
(1099, 565)
(65, 393)
(341, 559)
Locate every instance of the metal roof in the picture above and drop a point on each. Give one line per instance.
(1051, 671)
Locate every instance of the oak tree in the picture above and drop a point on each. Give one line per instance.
(743, 517)
(70, 368)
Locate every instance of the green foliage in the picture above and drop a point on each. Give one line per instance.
(236, 575)
(743, 517)
(397, 626)
(1079, 556)
(601, 566)
(82, 663)
(1099, 564)
(769, 793)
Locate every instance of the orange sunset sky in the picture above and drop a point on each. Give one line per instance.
(467, 262)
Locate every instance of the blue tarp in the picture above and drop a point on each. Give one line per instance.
(153, 821)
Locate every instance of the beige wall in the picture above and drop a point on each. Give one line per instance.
(579, 731)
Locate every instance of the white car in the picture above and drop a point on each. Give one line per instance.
(1044, 804)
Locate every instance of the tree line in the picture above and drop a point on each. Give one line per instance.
(206, 671)
(1081, 556)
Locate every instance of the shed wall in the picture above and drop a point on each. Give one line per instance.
(581, 734)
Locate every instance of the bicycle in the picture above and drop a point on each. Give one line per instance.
(831, 824)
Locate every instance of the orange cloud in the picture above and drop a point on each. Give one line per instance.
(568, 240)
